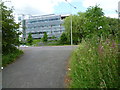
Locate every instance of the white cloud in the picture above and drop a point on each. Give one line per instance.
(108, 6)
(112, 15)
(38, 7)
(34, 6)
(105, 4)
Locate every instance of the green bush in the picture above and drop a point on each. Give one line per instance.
(63, 39)
(30, 39)
(10, 34)
(95, 65)
(36, 41)
(9, 58)
(45, 37)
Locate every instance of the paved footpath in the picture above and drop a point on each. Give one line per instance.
(39, 67)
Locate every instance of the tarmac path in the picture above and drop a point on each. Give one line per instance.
(38, 67)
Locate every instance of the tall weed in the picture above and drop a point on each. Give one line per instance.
(95, 64)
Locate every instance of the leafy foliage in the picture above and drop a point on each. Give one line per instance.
(90, 23)
(10, 34)
(77, 27)
(95, 66)
(113, 25)
(63, 38)
(11, 57)
(30, 39)
(95, 22)
(45, 37)
(95, 63)
(53, 37)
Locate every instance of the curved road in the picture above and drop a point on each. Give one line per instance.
(39, 67)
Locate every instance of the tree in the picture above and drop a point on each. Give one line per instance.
(77, 27)
(10, 32)
(113, 25)
(90, 23)
(30, 39)
(95, 22)
(53, 37)
(63, 38)
(45, 37)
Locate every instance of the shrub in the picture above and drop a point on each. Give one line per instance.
(63, 38)
(45, 37)
(9, 58)
(30, 39)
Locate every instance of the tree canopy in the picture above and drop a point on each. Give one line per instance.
(77, 27)
(30, 39)
(63, 38)
(95, 22)
(10, 32)
(45, 37)
(90, 23)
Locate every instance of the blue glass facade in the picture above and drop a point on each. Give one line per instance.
(52, 24)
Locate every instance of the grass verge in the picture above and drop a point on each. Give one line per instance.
(11, 57)
(94, 65)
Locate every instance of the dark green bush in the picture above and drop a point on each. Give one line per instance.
(10, 57)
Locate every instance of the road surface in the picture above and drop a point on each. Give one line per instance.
(39, 67)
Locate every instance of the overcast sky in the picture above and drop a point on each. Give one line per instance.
(42, 7)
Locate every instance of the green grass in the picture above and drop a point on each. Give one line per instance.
(48, 43)
(55, 44)
(94, 65)
(11, 57)
(35, 41)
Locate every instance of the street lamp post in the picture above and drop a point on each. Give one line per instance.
(71, 31)
(71, 21)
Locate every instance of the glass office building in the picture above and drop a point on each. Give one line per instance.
(38, 25)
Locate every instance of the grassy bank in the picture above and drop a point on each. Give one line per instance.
(94, 65)
(11, 57)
